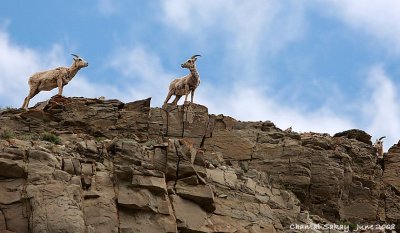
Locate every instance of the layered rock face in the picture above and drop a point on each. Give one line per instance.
(89, 165)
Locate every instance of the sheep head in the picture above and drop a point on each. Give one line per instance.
(190, 62)
(79, 62)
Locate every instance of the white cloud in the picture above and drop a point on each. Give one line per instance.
(107, 7)
(82, 86)
(377, 18)
(252, 103)
(243, 23)
(17, 63)
(144, 75)
(382, 110)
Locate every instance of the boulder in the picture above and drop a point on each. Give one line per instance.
(100, 211)
(56, 208)
(14, 218)
(142, 200)
(11, 168)
(235, 145)
(156, 184)
(357, 134)
(145, 222)
(190, 216)
(43, 158)
(200, 194)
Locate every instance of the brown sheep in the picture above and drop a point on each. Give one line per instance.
(50, 79)
(185, 85)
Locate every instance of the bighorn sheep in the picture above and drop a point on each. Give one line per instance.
(50, 79)
(378, 145)
(186, 84)
(288, 130)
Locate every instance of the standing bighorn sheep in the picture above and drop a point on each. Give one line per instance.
(50, 79)
(378, 146)
(186, 84)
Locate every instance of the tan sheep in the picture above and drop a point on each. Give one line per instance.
(185, 85)
(50, 79)
(378, 146)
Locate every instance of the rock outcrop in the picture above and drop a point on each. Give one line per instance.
(90, 165)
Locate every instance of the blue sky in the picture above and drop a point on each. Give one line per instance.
(322, 66)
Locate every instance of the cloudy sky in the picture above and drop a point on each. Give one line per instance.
(315, 65)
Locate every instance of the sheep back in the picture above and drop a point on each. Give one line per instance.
(47, 80)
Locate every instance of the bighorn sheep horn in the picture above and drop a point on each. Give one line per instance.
(195, 56)
(75, 55)
(382, 138)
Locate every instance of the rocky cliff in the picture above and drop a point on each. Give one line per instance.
(89, 165)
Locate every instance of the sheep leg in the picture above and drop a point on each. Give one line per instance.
(32, 93)
(191, 96)
(168, 97)
(187, 91)
(60, 86)
(177, 97)
(24, 105)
